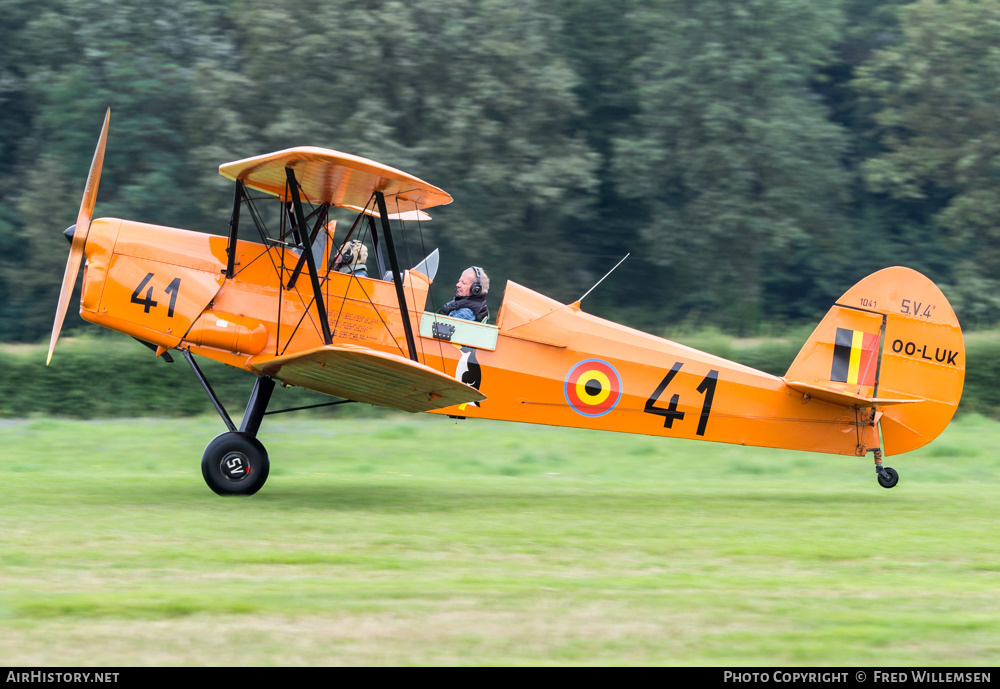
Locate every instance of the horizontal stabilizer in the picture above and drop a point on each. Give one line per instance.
(844, 397)
(369, 376)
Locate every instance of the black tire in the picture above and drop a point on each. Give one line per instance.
(888, 477)
(235, 464)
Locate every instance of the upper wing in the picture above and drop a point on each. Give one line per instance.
(369, 376)
(340, 179)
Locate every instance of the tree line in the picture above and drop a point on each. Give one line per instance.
(756, 158)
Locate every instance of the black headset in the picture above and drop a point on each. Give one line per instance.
(477, 286)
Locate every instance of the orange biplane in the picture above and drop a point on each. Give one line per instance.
(883, 370)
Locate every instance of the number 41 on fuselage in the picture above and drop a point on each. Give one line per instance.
(883, 371)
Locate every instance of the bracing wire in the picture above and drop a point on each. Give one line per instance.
(354, 278)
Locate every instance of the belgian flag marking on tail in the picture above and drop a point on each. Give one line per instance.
(854, 357)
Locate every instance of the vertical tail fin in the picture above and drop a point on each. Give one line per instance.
(893, 336)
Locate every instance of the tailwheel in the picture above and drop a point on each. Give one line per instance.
(887, 477)
(235, 463)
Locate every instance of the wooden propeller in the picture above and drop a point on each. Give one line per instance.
(83, 219)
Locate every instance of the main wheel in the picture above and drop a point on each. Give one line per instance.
(235, 464)
(888, 477)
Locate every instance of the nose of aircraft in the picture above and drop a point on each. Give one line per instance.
(68, 233)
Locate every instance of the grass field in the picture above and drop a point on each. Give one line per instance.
(421, 540)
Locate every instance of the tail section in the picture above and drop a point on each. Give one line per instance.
(892, 342)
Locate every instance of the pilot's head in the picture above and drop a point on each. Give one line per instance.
(473, 282)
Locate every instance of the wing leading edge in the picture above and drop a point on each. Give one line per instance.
(368, 376)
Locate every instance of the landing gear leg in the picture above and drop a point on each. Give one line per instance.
(887, 476)
(236, 463)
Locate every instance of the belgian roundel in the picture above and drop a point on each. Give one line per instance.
(593, 387)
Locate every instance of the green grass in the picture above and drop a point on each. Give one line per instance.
(421, 540)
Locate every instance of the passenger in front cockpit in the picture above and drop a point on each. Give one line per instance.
(352, 258)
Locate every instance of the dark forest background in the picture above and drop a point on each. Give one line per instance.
(756, 157)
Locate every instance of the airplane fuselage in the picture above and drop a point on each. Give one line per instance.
(543, 362)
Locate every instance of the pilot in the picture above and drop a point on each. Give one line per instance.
(352, 258)
(470, 296)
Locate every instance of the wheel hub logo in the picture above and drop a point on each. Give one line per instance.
(235, 466)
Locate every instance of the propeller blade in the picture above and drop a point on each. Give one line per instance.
(83, 219)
